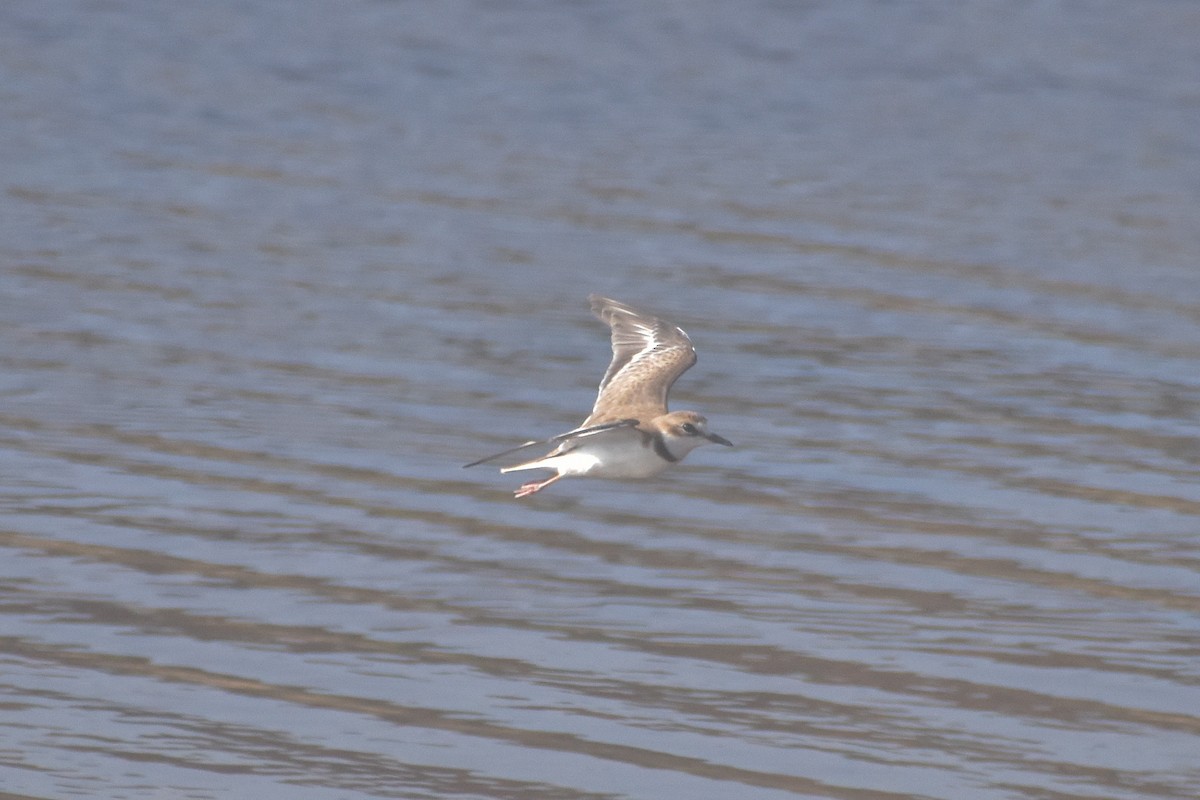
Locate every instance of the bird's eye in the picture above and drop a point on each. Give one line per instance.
(689, 429)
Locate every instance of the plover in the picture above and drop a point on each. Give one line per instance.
(630, 433)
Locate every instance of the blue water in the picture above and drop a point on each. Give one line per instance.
(271, 272)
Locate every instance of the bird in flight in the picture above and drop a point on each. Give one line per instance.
(630, 433)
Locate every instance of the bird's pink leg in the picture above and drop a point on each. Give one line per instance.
(535, 486)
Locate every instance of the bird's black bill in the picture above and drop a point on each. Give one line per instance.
(578, 433)
(712, 437)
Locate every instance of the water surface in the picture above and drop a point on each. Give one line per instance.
(272, 271)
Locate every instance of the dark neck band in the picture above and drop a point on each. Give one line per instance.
(660, 447)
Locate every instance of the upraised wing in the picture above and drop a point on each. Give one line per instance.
(649, 355)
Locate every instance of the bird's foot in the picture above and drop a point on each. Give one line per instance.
(534, 486)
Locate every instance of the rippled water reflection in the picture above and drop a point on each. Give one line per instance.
(272, 272)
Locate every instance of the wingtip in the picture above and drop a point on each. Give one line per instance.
(599, 303)
(605, 307)
(494, 456)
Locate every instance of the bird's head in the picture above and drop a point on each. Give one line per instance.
(684, 431)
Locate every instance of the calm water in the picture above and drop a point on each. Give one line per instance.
(271, 271)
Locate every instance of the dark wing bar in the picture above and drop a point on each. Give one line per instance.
(578, 433)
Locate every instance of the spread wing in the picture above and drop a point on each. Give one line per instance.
(649, 355)
(562, 439)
